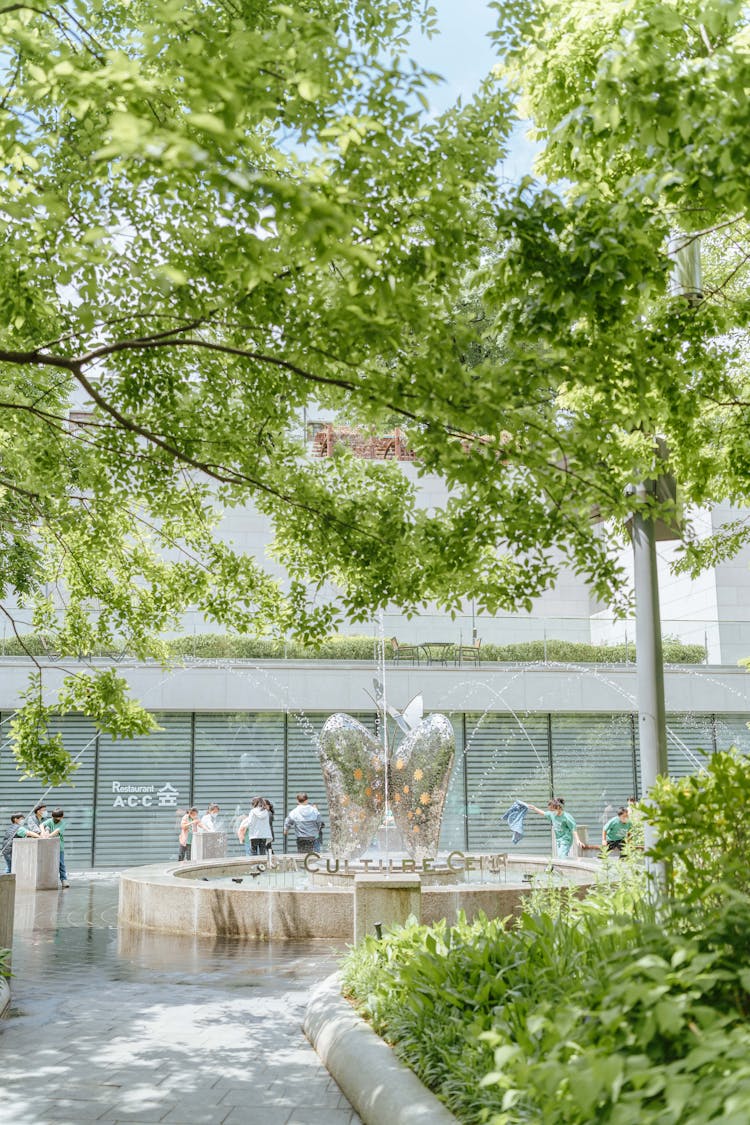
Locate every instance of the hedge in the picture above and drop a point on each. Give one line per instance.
(220, 646)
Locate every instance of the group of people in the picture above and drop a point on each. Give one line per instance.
(304, 820)
(614, 833)
(192, 822)
(255, 831)
(36, 826)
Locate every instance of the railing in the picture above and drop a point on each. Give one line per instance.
(371, 447)
(516, 638)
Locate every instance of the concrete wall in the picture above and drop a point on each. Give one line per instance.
(338, 686)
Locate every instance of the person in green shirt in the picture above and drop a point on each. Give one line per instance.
(17, 828)
(563, 826)
(56, 826)
(616, 831)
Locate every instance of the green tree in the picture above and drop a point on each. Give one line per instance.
(639, 109)
(215, 214)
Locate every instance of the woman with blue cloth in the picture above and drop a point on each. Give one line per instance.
(563, 826)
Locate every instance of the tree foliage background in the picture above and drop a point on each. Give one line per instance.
(214, 214)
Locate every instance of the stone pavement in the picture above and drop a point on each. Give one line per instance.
(137, 1027)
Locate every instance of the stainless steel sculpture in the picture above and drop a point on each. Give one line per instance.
(353, 764)
(418, 772)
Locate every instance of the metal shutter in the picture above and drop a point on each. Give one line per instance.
(732, 730)
(238, 756)
(143, 787)
(593, 766)
(506, 758)
(689, 739)
(17, 795)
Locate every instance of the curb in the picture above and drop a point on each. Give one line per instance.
(379, 1086)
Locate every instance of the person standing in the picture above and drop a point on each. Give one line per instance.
(210, 818)
(35, 820)
(319, 839)
(563, 826)
(258, 828)
(306, 822)
(271, 814)
(189, 824)
(616, 831)
(56, 826)
(16, 828)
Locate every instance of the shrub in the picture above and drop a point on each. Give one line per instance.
(435, 992)
(656, 1033)
(226, 646)
(612, 1020)
(703, 832)
(581, 652)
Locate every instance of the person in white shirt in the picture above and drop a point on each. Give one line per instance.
(210, 819)
(255, 830)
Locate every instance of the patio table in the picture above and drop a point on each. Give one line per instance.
(437, 651)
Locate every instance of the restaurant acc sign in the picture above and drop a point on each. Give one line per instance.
(144, 796)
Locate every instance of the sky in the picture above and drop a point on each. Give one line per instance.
(463, 54)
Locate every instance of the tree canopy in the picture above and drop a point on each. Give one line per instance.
(215, 213)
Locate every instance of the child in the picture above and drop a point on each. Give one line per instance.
(56, 826)
(271, 814)
(210, 819)
(35, 820)
(563, 826)
(616, 831)
(16, 828)
(189, 824)
(257, 828)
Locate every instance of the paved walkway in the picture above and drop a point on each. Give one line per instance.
(136, 1027)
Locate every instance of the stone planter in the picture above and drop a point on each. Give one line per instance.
(36, 863)
(7, 904)
(379, 1086)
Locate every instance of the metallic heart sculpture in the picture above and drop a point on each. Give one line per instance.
(419, 774)
(353, 770)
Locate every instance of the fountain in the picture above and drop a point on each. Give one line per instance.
(346, 894)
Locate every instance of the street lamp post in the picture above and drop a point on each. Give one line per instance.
(652, 721)
(685, 283)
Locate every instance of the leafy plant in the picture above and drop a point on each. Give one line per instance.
(703, 833)
(569, 1019)
(355, 647)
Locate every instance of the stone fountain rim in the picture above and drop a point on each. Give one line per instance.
(182, 874)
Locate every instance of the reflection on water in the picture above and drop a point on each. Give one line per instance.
(70, 940)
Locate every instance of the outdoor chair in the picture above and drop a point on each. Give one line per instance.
(468, 653)
(405, 652)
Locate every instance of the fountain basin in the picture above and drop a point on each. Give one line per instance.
(200, 898)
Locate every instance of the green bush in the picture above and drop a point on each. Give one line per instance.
(5, 962)
(703, 830)
(224, 646)
(596, 1010)
(580, 652)
(655, 1032)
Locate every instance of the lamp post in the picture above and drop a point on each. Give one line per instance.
(649, 664)
(685, 282)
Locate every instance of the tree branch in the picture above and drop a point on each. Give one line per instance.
(19, 637)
